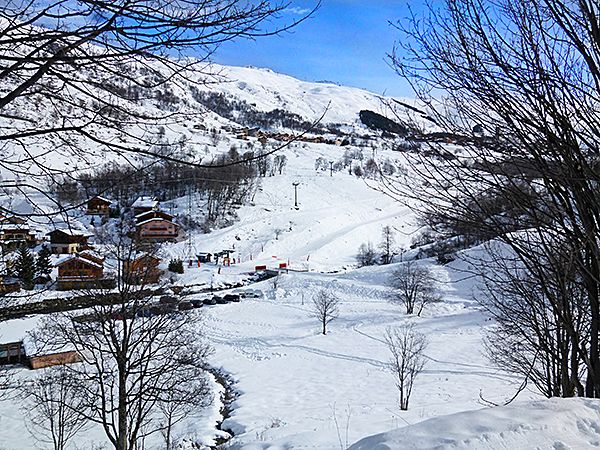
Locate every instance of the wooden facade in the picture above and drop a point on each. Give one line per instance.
(54, 359)
(14, 232)
(98, 206)
(12, 353)
(157, 229)
(79, 267)
(142, 270)
(82, 271)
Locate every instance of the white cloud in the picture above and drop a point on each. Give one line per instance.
(297, 10)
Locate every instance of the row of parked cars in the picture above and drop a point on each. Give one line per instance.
(170, 304)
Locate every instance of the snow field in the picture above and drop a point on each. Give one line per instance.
(292, 379)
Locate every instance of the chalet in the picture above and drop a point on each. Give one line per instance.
(12, 353)
(14, 232)
(142, 270)
(157, 229)
(8, 285)
(98, 206)
(67, 241)
(142, 217)
(82, 271)
(144, 204)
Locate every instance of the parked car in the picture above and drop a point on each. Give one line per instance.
(185, 306)
(209, 301)
(145, 312)
(232, 297)
(163, 308)
(197, 303)
(219, 300)
(168, 300)
(251, 294)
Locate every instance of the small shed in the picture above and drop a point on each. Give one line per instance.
(12, 353)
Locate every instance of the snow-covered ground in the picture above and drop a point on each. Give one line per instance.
(299, 389)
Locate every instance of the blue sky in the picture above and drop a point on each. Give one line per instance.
(346, 42)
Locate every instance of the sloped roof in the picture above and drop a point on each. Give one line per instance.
(145, 202)
(156, 219)
(72, 256)
(100, 198)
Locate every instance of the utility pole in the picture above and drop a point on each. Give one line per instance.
(295, 184)
(330, 168)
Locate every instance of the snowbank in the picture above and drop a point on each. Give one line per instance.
(559, 424)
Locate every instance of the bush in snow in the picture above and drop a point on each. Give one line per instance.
(176, 265)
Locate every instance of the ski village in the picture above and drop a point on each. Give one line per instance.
(203, 256)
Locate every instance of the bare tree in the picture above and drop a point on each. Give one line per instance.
(531, 337)
(387, 245)
(131, 365)
(143, 363)
(325, 308)
(54, 411)
(415, 287)
(366, 255)
(527, 73)
(279, 163)
(407, 347)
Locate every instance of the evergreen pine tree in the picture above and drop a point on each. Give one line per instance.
(25, 267)
(42, 263)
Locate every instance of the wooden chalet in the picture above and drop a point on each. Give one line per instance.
(83, 270)
(8, 285)
(14, 232)
(98, 206)
(157, 229)
(144, 204)
(142, 270)
(67, 241)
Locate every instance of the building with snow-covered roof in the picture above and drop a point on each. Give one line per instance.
(67, 241)
(144, 204)
(98, 206)
(82, 271)
(142, 269)
(14, 232)
(142, 217)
